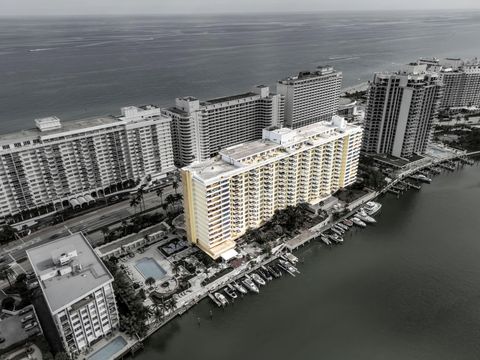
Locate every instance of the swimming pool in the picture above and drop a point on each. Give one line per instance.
(109, 350)
(149, 267)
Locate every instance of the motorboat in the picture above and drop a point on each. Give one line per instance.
(290, 257)
(348, 222)
(274, 271)
(336, 231)
(258, 279)
(343, 226)
(289, 267)
(358, 222)
(239, 288)
(362, 215)
(422, 177)
(265, 274)
(221, 298)
(336, 239)
(231, 293)
(325, 240)
(247, 281)
(372, 207)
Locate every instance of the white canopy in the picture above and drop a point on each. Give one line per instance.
(229, 254)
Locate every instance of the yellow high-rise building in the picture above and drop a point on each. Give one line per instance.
(243, 186)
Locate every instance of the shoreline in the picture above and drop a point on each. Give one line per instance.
(221, 282)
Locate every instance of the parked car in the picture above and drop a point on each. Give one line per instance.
(30, 325)
(26, 318)
(25, 310)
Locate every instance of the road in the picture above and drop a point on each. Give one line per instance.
(85, 223)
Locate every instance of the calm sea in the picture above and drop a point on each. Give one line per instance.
(76, 67)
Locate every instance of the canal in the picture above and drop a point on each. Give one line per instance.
(406, 288)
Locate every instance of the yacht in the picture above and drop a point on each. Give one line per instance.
(221, 298)
(325, 240)
(258, 279)
(274, 271)
(422, 178)
(347, 222)
(343, 226)
(358, 222)
(372, 207)
(265, 274)
(290, 257)
(289, 267)
(362, 215)
(247, 281)
(231, 293)
(337, 239)
(334, 230)
(239, 288)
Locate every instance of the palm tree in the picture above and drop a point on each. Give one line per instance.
(150, 281)
(160, 194)
(134, 201)
(140, 194)
(175, 185)
(6, 272)
(165, 207)
(170, 199)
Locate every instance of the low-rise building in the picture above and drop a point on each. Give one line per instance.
(244, 186)
(78, 291)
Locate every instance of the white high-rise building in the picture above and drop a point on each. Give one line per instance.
(244, 186)
(311, 96)
(78, 291)
(72, 163)
(401, 109)
(201, 129)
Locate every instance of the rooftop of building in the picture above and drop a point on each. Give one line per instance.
(82, 273)
(275, 143)
(66, 126)
(302, 75)
(227, 98)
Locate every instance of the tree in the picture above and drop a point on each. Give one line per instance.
(134, 201)
(150, 281)
(175, 185)
(6, 272)
(7, 234)
(8, 303)
(105, 232)
(61, 356)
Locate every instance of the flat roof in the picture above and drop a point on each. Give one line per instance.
(66, 126)
(64, 290)
(228, 98)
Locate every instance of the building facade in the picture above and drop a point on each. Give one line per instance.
(401, 109)
(201, 129)
(244, 186)
(311, 96)
(78, 291)
(70, 164)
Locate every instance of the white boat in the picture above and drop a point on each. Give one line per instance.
(336, 231)
(325, 240)
(422, 177)
(250, 284)
(372, 207)
(231, 293)
(221, 298)
(239, 288)
(362, 215)
(258, 279)
(358, 222)
(337, 239)
(288, 266)
(290, 257)
(343, 226)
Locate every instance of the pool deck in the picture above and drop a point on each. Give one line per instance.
(105, 342)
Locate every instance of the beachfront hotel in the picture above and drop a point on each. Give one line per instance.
(72, 163)
(78, 291)
(401, 109)
(243, 186)
(311, 96)
(201, 128)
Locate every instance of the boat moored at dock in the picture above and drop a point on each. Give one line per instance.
(231, 293)
(258, 279)
(372, 207)
(248, 282)
(239, 288)
(358, 222)
(221, 298)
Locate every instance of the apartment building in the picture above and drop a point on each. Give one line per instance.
(201, 129)
(70, 164)
(311, 96)
(401, 109)
(461, 80)
(78, 291)
(243, 186)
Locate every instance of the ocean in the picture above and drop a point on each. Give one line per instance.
(79, 67)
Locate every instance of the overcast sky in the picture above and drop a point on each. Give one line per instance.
(112, 7)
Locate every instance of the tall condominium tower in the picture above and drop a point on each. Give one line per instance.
(201, 129)
(310, 96)
(78, 291)
(400, 111)
(246, 183)
(72, 163)
(461, 80)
